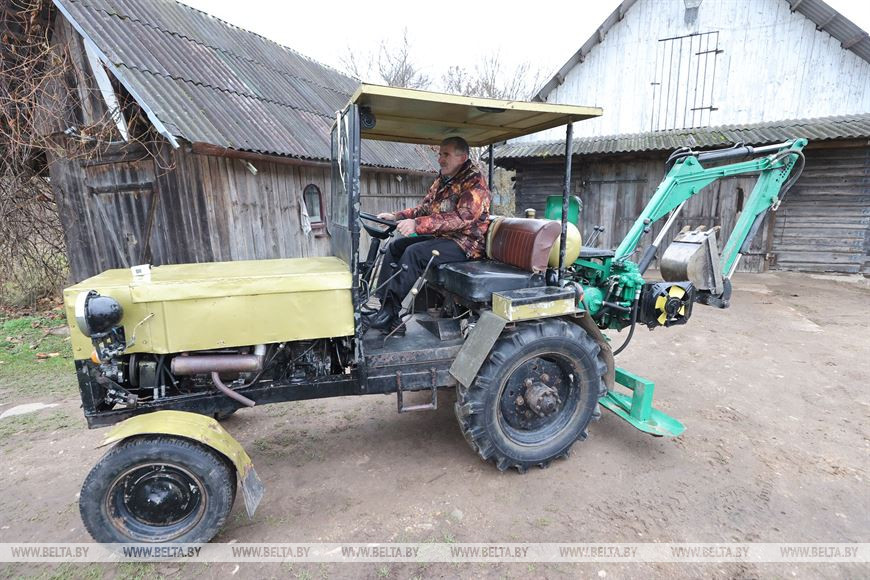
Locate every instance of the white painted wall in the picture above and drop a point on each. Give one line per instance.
(775, 66)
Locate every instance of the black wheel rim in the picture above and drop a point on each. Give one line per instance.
(551, 373)
(156, 502)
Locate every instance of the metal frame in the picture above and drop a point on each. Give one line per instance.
(637, 409)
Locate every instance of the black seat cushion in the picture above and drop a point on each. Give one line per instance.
(476, 281)
(587, 252)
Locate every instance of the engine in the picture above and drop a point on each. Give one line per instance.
(129, 380)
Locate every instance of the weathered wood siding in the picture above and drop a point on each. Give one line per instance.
(823, 224)
(202, 208)
(774, 65)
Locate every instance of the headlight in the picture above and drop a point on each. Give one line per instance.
(96, 314)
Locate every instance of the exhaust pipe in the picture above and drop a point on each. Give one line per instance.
(216, 379)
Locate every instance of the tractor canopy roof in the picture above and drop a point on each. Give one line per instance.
(413, 116)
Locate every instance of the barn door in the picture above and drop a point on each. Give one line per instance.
(121, 200)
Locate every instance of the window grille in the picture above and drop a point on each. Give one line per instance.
(684, 81)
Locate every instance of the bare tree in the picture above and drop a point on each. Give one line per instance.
(393, 65)
(491, 79)
(42, 121)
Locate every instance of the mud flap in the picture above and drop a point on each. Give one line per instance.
(198, 428)
(476, 347)
(252, 491)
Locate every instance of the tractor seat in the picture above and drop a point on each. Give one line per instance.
(587, 252)
(518, 250)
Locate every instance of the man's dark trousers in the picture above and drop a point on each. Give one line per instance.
(415, 253)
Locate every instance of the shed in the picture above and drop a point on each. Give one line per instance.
(213, 142)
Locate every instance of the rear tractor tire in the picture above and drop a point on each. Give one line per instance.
(158, 488)
(534, 396)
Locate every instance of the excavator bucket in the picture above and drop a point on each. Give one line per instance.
(694, 256)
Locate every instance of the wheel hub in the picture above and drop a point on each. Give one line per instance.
(541, 398)
(160, 496)
(534, 395)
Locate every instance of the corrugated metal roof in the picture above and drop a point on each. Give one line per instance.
(851, 36)
(823, 129)
(208, 81)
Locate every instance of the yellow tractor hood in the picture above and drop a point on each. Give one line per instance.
(187, 307)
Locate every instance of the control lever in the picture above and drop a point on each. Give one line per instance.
(408, 303)
(398, 271)
(419, 283)
(422, 279)
(597, 231)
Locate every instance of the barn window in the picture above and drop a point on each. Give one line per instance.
(314, 205)
(684, 83)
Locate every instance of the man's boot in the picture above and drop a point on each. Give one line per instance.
(387, 320)
(389, 311)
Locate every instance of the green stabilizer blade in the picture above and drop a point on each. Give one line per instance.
(637, 409)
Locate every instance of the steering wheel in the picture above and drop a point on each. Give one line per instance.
(375, 232)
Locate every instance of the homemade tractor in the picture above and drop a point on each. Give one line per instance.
(164, 351)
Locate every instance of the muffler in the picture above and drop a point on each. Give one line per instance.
(216, 363)
(694, 256)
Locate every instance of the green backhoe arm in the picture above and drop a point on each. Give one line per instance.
(687, 177)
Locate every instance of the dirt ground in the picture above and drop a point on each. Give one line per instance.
(773, 393)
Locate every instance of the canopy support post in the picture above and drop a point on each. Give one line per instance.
(566, 192)
(491, 167)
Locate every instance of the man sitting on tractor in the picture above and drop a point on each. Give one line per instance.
(452, 219)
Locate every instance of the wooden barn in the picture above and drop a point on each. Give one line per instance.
(219, 146)
(709, 73)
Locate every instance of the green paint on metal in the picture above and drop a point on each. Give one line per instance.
(554, 209)
(637, 409)
(592, 299)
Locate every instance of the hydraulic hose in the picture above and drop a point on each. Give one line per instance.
(796, 172)
(634, 309)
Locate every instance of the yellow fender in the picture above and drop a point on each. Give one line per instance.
(199, 428)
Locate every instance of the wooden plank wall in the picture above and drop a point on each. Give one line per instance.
(207, 208)
(200, 208)
(824, 223)
(380, 192)
(822, 226)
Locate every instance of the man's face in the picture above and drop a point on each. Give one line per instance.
(450, 160)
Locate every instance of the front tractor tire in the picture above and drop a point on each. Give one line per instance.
(158, 488)
(534, 396)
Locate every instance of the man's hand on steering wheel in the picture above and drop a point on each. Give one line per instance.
(407, 227)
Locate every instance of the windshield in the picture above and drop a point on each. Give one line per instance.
(341, 178)
(344, 197)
